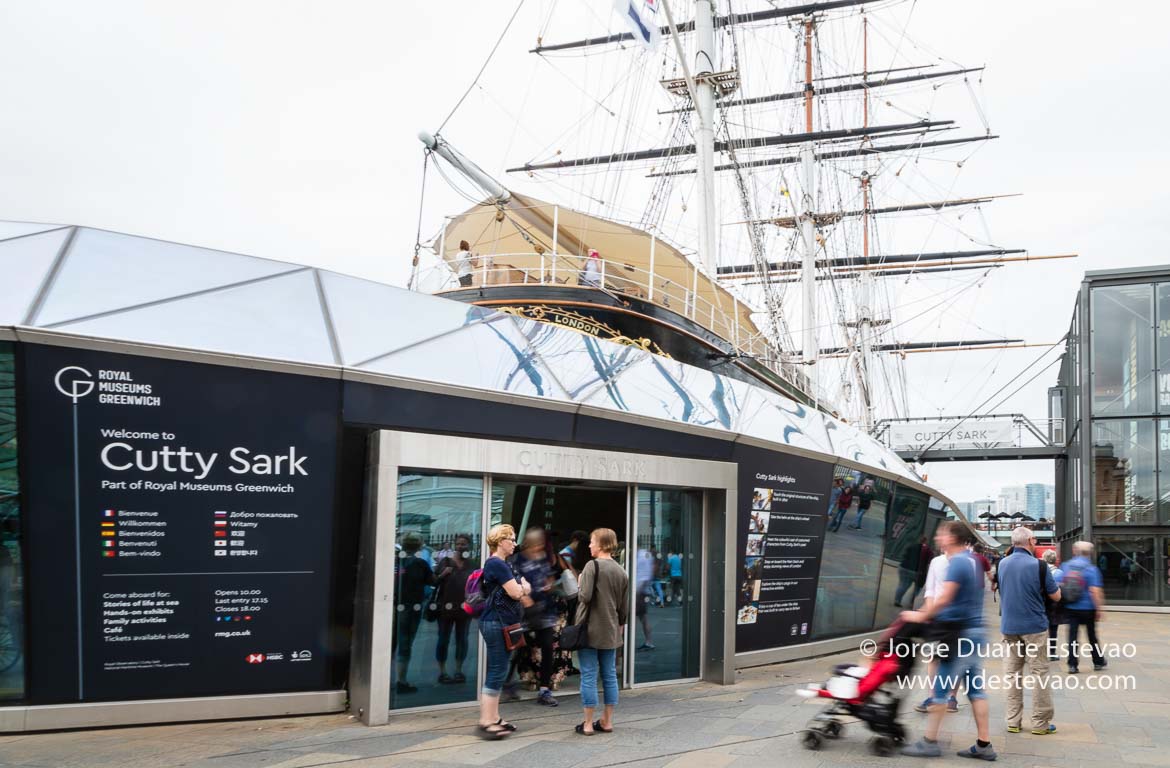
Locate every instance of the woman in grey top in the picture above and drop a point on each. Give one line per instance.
(604, 596)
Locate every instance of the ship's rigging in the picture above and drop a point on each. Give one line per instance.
(875, 169)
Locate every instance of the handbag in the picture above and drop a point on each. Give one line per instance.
(514, 636)
(574, 637)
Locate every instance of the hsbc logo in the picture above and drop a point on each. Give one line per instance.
(255, 658)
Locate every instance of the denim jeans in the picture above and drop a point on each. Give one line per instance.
(497, 656)
(835, 523)
(590, 659)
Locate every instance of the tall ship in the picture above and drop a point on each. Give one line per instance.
(771, 191)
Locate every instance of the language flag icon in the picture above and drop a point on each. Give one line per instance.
(221, 534)
(109, 553)
(220, 552)
(108, 544)
(108, 533)
(221, 543)
(109, 525)
(220, 523)
(109, 513)
(220, 513)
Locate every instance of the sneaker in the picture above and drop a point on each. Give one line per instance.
(922, 748)
(952, 705)
(547, 699)
(979, 753)
(1014, 729)
(445, 679)
(459, 678)
(647, 647)
(924, 706)
(1073, 670)
(1101, 666)
(1044, 731)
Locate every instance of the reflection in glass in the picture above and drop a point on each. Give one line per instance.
(1162, 336)
(26, 263)
(1128, 567)
(1123, 472)
(667, 578)
(11, 584)
(907, 555)
(851, 558)
(1122, 365)
(437, 546)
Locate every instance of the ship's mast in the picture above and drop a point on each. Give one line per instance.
(866, 282)
(808, 208)
(705, 134)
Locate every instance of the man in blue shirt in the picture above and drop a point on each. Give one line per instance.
(1085, 610)
(1024, 581)
(958, 611)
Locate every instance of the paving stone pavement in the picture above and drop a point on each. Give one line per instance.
(757, 722)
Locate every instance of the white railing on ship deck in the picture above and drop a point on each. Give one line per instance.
(616, 277)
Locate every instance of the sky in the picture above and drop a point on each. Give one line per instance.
(288, 129)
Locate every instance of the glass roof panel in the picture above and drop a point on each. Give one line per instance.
(666, 389)
(24, 264)
(372, 319)
(488, 355)
(17, 228)
(771, 416)
(278, 318)
(104, 271)
(581, 363)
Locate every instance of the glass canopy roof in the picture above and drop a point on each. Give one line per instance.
(114, 286)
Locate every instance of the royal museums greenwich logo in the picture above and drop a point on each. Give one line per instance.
(113, 387)
(74, 382)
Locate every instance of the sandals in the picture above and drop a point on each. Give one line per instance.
(493, 732)
(505, 725)
(598, 728)
(580, 728)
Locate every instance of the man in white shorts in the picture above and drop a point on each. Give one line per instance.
(935, 576)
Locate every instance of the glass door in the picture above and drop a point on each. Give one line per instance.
(434, 644)
(666, 582)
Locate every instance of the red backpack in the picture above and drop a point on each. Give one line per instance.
(474, 600)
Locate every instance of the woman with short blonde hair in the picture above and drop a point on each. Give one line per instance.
(504, 598)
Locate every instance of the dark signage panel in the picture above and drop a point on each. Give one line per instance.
(180, 526)
(781, 531)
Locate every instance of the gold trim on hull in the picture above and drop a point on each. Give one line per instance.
(575, 321)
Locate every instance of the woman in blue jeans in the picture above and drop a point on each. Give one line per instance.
(602, 603)
(506, 596)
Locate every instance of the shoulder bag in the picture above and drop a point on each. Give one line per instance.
(574, 637)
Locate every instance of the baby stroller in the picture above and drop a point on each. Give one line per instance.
(866, 694)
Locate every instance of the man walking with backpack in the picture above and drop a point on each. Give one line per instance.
(1024, 583)
(1084, 601)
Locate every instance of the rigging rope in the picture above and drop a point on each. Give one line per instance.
(487, 61)
(422, 196)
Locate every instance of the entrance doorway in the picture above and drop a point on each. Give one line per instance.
(432, 500)
(552, 522)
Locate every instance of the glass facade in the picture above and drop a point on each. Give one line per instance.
(907, 551)
(1124, 461)
(1129, 567)
(851, 560)
(1123, 363)
(11, 582)
(434, 644)
(670, 531)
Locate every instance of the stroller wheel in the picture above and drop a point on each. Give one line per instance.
(812, 740)
(882, 746)
(833, 729)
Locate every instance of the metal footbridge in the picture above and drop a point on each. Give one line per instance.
(984, 437)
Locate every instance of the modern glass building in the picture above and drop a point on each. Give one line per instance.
(233, 486)
(1113, 392)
